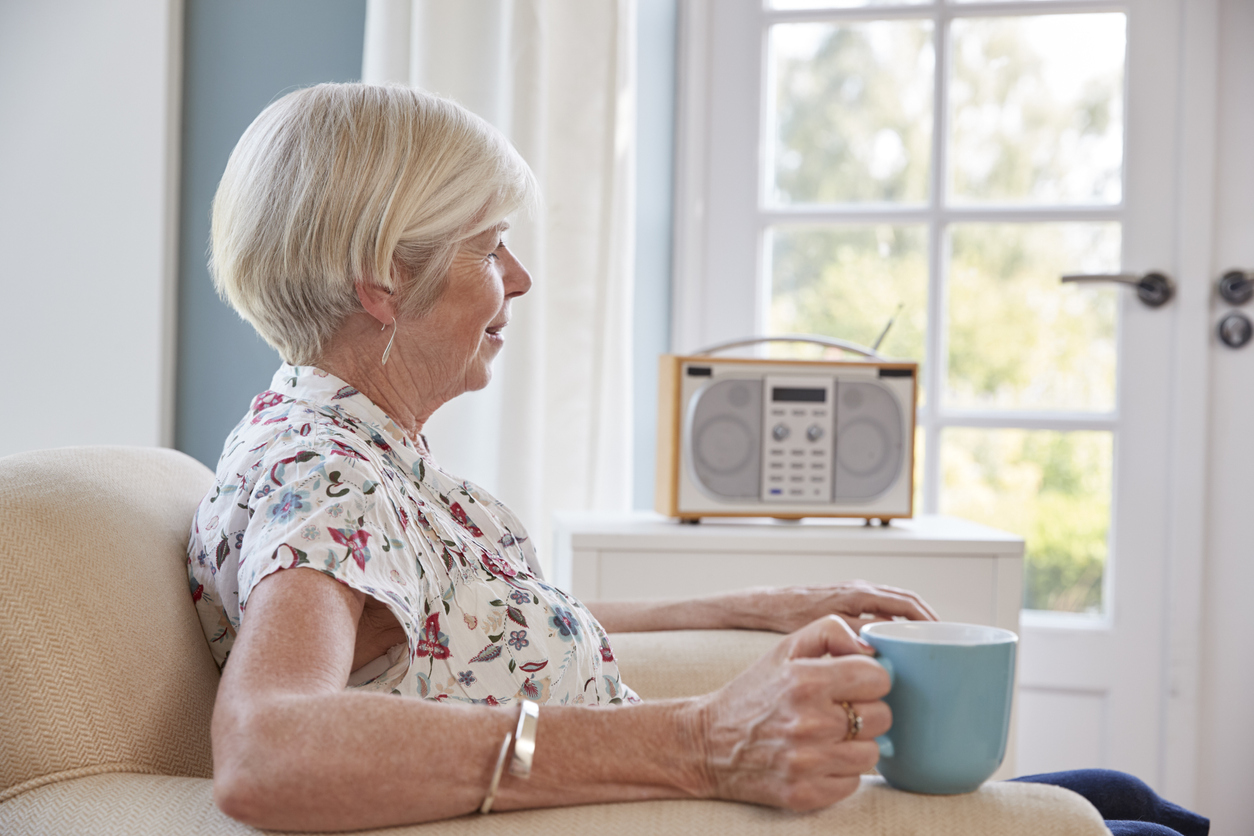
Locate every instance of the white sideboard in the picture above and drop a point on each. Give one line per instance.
(966, 571)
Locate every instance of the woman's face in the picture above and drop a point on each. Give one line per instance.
(461, 335)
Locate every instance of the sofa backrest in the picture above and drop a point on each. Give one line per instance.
(103, 665)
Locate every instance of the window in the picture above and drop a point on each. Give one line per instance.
(944, 164)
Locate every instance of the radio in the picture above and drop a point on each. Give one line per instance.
(743, 437)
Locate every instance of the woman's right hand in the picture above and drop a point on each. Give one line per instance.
(775, 735)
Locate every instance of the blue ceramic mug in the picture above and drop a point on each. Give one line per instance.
(951, 694)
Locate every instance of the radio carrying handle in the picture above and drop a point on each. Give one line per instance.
(826, 342)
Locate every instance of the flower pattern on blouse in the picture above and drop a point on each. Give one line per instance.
(316, 476)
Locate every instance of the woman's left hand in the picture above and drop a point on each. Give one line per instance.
(789, 608)
(783, 609)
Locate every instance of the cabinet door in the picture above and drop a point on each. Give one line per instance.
(960, 588)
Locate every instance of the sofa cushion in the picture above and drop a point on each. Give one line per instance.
(105, 667)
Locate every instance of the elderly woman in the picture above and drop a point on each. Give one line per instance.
(361, 230)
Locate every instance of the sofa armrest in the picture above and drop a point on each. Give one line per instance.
(124, 804)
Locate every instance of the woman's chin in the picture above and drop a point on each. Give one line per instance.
(479, 372)
(480, 381)
(479, 376)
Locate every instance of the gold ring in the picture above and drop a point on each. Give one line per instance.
(854, 720)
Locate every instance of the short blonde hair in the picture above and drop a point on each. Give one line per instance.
(343, 182)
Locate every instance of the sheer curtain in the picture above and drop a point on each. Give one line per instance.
(552, 431)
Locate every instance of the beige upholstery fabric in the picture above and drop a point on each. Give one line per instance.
(107, 687)
(145, 805)
(661, 666)
(105, 666)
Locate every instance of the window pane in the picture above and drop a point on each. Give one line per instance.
(851, 119)
(1020, 339)
(1036, 109)
(1052, 489)
(848, 281)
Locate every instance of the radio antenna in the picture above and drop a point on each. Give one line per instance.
(884, 333)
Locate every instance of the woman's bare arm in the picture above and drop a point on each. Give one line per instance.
(294, 750)
(781, 609)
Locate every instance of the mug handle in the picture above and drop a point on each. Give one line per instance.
(883, 741)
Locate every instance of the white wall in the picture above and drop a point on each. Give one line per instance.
(1226, 733)
(87, 92)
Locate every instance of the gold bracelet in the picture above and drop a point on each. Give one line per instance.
(525, 740)
(486, 806)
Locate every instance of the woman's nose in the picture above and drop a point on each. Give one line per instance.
(516, 279)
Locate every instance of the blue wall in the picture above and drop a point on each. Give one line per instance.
(655, 114)
(238, 56)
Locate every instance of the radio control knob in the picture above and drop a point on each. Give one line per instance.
(779, 432)
(814, 433)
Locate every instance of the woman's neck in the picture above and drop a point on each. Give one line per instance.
(401, 388)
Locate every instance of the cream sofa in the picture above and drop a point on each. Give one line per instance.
(107, 685)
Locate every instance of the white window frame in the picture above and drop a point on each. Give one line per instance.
(714, 301)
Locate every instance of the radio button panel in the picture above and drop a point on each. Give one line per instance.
(798, 409)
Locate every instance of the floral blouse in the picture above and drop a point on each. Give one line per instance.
(317, 476)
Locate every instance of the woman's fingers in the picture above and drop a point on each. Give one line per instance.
(788, 609)
(815, 794)
(877, 718)
(890, 602)
(839, 679)
(914, 598)
(826, 636)
(853, 757)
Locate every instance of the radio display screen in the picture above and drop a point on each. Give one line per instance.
(798, 395)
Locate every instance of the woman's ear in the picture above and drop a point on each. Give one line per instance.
(377, 301)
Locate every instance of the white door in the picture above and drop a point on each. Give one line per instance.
(845, 160)
(1093, 693)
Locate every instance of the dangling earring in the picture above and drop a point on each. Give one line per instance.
(388, 349)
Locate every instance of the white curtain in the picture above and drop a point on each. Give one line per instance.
(553, 430)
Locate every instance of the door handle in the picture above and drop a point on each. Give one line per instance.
(1154, 289)
(1237, 286)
